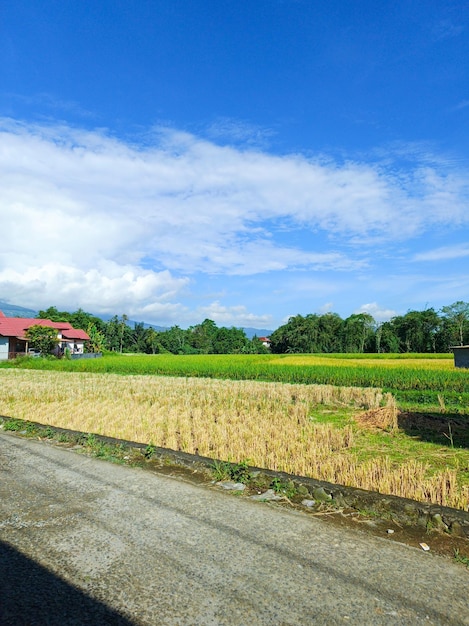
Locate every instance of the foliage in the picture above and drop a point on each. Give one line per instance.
(78, 319)
(286, 488)
(357, 332)
(97, 340)
(149, 451)
(427, 331)
(460, 558)
(225, 470)
(14, 425)
(42, 338)
(457, 315)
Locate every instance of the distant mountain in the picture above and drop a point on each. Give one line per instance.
(250, 332)
(11, 310)
(259, 332)
(106, 317)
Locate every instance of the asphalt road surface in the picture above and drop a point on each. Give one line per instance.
(84, 541)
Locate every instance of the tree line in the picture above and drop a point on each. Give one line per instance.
(117, 335)
(416, 331)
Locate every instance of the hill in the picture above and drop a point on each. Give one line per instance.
(259, 332)
(12, 310)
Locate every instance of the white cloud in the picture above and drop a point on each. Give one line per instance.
(107, 223)
(237, 316)
(327, 307)
(234, 130)
(110, 288)
(445, 253)
(379, 313)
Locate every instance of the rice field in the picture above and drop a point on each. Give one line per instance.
(309, 430)
(416, 381)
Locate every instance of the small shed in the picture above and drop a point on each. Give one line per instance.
(461, 356)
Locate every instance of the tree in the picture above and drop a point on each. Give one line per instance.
(330, 333)
(229, 341)
(97, 340)
(202, 336)
(42, 338)
(299, 334)
(175, 340)
(386, 338)
(54, 315)
(357, 329)
(82, 319)
(139, 338)
(118, 334)
(417, 330)
(458, 316)
(112, 334)
(122, 328)
(255, 346)
(152, 340)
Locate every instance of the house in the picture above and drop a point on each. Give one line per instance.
(461, 356)
(265, 341)
(13, 342)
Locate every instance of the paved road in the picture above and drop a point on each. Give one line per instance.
(83, 541)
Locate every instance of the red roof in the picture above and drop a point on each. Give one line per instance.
(17, 326)
(75, 333)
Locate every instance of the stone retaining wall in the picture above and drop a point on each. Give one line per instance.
(404, 511)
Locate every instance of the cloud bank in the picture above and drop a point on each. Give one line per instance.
(129, 225)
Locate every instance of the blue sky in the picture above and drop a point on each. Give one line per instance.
(238, 160)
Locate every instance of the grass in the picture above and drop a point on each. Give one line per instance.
(459, 558)
(88, 442)
(238, 472)
(310, 430)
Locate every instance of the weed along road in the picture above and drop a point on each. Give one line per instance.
(84, 541)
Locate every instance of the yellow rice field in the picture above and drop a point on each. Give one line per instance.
(417, 363)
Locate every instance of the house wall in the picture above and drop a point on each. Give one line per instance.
(461, 357)
(75, 347)
(4, 343)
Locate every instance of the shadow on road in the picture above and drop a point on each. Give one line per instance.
(30, 595)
